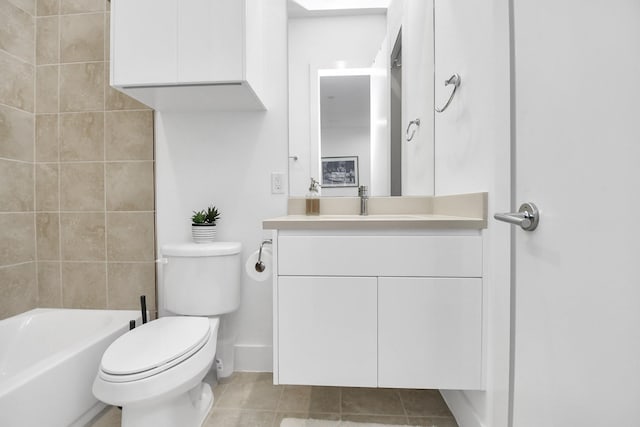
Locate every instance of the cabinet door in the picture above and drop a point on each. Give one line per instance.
(210, 41)
(327, 331)
(144, 42)
(430, 333)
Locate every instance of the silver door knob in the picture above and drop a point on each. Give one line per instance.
(527, 217)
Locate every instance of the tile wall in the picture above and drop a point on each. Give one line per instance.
(81, 181)
(18, 283)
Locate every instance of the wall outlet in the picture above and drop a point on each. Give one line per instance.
(277, 183)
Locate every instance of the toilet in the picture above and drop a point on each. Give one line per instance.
(155, 371)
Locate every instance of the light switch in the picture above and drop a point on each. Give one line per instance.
(277, 183)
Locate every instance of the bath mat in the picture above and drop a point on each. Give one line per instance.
(295, 422)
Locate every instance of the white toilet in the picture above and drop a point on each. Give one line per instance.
(155, 371)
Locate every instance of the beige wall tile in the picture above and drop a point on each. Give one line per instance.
(46, 137)
(82, 236)
(116, 100)
(18, 289)
(129, 135)
(47, 237)
(47, 89)
(127, 281)
(28, 6)
(107, 32)
(16, 85)
(82, 186)
(130, 236)
(81, 6)
(17, 243)
(47, 198)
(82, 38)
(47, 43)
(49, 288)
(16, 188)
(47, 7)
(16, 134)
(81, 87)
(16, 31)
(81, 136)
(130, 186)
(84, 285)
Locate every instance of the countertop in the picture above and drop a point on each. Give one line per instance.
(464, 211)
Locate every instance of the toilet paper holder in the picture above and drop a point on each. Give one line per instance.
(259, 264)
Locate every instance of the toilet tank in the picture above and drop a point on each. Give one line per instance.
(201, 279)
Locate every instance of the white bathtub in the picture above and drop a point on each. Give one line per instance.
(48, 361)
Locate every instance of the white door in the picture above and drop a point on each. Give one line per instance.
(577, 156)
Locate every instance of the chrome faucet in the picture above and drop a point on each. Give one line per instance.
(364, 200)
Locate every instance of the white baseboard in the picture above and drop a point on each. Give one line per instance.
(253, 358)
(461, 408)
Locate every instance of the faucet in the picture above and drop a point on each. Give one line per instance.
(364, 200)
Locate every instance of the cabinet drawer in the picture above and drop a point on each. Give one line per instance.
(436, 256)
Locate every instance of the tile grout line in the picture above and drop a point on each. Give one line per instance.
(60, 256)
(104, 165)
(33, 157)
(404, 409)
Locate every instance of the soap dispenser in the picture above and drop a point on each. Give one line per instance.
(313, 199)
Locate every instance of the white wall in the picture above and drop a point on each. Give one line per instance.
(320, 42)
(472, 154)
(226, 159)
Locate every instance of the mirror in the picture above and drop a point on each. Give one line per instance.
(346, 106)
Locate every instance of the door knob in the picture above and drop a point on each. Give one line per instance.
(527, 217)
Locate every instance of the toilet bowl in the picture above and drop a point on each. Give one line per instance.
(155, 371)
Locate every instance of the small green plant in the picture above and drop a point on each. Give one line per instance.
(206, 216)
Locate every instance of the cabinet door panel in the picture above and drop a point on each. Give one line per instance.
(327, 331)
(430, 333)
(144, 43)
(210, 41)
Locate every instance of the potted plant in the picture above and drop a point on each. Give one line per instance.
(203, 224)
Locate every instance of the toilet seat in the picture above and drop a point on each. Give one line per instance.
(153, 348)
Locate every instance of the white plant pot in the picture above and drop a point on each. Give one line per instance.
(204, 233)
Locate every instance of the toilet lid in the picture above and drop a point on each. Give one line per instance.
(154, 347)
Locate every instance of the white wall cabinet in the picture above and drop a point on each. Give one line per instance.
(384, 310)
(182, 55)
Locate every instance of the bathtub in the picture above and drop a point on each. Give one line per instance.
(48, 361)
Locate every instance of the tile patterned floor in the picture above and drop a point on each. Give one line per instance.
(251, 400)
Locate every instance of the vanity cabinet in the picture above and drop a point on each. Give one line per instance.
(378, 309)
(188, 54)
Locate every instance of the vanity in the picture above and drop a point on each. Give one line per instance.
(392, 299)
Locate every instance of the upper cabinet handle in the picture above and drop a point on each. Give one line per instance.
(455, 81)
(412, 122)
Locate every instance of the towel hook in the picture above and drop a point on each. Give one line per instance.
(455, 81)
(412, 122)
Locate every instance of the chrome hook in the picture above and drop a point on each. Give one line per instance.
(412, 122)
(455, 81)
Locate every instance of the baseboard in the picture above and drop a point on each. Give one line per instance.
(253, 358)
(461, 408)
